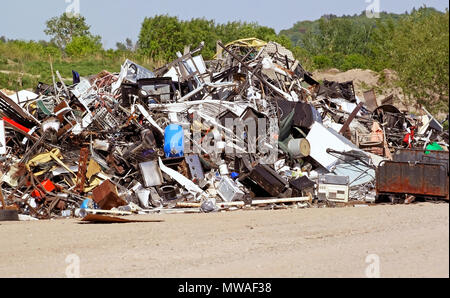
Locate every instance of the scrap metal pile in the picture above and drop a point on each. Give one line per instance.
(249, 129)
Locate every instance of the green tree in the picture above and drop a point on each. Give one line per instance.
(129, 44)
(161, 37)
(418, 49)
(121, 46)
(339, 35)
(83, 46)
(126, 46)
(63, 29)
(304, 57)
(198, 30)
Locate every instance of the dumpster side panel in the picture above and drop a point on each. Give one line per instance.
(411, 155)
(415, 179)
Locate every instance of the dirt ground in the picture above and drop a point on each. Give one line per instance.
(365, 80)
(358, 76)
(409, 240)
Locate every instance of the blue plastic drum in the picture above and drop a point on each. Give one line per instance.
(174, 141)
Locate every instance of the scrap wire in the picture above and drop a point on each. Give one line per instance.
(363, 171)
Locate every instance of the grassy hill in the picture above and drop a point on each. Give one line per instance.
(24, 64)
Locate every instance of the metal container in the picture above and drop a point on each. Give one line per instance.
(169, 192)
(421, 179)
(433, 157)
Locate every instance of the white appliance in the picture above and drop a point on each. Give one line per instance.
(333, 188)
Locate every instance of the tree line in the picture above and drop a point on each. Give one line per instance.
(415, 45)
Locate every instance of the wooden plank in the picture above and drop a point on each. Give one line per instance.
(254, 202)
(94, 211)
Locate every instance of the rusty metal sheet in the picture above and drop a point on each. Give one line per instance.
(96, 218)
(371, 100)
(412, 178)
(350, 118)
(414, 155)
(389, 100)
(82, 167)
(105, 195)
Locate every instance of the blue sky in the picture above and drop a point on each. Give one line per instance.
(115, 20)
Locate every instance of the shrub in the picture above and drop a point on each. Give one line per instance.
(354, 61)
(322, 62)
(83, 46)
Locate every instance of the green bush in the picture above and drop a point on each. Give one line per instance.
(83, 46)
(53, 52)
(337, 60)
(354, 61)
(322, 62)
(16, 81)
(304, 57)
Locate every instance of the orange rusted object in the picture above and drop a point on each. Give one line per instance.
(428, 180)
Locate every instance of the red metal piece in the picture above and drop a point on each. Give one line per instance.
(17, 125)
(48, 185)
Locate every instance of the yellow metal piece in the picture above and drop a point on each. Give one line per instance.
(93, 169)
(245, 43)
(93, 184)
(43, 158)
(40, 173)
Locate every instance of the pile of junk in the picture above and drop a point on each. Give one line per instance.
(250, 129)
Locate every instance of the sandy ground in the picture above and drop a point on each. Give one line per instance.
(363, 80)
(409, 240)
(358, 76)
